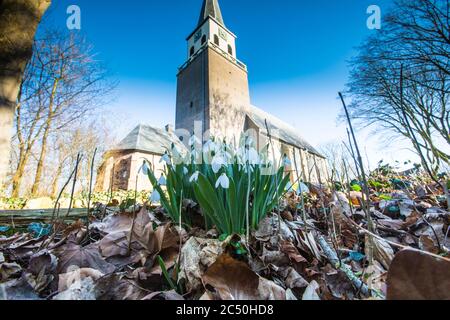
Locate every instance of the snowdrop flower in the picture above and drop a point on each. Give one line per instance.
(210, 146)
(217, 163)
(252, 156)
(185, 170)
(194, 140)
(223, 182)
(155, 197)
(195, 155)
(162, 181)
(194, 177)
(144, 169)
(165, 158)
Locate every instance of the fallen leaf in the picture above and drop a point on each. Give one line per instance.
(18, 289)
(165, 295)
(418, 276)
(66, 280)
(8, 270)
(82, 290)
(311, 292)
(41, 270)
(426, 243)
(196, 256)
(74, 256)
(340, 286)
(292, 252)
(234, 280)
(382, 251)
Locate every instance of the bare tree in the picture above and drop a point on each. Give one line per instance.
(18, 23)
(400, 79)
(63, 85)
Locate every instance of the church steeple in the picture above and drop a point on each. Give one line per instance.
(211, 8)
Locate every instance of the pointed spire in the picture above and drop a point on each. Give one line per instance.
(211, 8)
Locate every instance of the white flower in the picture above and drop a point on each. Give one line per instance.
(252, 157)
(194, 140)
(162, 181)
(194, 177)
(210, 146)
(223, 182)
(144, 169)
(155, 197)
(217, 163)
(185, 170)
(165, 158)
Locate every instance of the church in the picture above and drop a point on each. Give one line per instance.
(213, 98)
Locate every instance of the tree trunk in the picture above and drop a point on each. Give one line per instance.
(40, 164)
(18, 23)
(54, 192)
(17, 177)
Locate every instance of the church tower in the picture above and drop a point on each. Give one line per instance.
(212, 85)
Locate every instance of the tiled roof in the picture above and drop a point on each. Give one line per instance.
(279, 129)
(149, 139)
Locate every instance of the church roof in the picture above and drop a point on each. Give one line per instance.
(149, 139)
(279, 129)
(211, 8)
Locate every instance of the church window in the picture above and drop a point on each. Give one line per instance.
(192, 51)
(216, 39)
(230, 50)
(203, 39)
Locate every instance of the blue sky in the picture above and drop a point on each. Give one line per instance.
(296, 52)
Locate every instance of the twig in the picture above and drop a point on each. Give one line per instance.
(130, 238)
(334, 259)
(74, 184)
(60, 195)
(366, 202)
(352, 153)
(91, 178)
(276, 174)
(397, 245)
(247, 210)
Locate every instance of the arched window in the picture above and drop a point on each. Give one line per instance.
(230, 50)
(192, 51)
(203, 39)
(216, 39)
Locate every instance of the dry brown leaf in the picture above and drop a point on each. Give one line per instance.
(291, 251)
(165, 295)
(41, 270)
(66, 280)
(234, 280)
(8, 270)
(197, 255)
(382, 251)
(426, 243)
(114, 287)
(417, 276)
(73, 255)
(340, 286)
